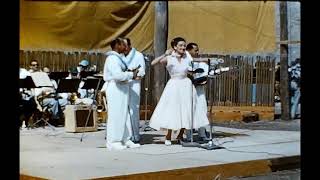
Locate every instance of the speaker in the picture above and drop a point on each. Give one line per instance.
(76, 117)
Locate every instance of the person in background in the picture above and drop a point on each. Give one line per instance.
(134, 59)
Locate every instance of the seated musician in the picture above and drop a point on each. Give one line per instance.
(34, 66)
(83, 96)
(62, 97)
(83, 66)
(47, 98)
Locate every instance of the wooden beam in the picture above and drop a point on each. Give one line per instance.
(288, 42)
(284, 82)
(160, 46)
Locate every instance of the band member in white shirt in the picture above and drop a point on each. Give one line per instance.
(43, 96)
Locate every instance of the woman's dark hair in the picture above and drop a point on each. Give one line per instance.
(175, 41)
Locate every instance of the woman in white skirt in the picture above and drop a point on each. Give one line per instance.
(173, 111)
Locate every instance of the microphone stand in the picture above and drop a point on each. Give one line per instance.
(210, 145)
(147, 126)
(90, 109)
(191, 143)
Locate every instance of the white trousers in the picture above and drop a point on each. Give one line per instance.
(119, 127)
(134, 105)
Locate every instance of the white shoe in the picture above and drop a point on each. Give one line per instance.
(167, 142)
(130, 144)
(115, 146)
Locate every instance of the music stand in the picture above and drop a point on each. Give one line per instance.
(90, 84)
(26, 83)
(58, 75)
(68, 85)
(85, 74)
(98, 76)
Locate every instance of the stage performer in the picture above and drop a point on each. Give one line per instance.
(173, 111)
(134, 59)
(115, 74)
(201, 106)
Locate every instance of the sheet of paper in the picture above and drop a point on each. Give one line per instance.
(41, 79)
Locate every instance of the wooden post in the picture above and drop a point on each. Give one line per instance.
(160, 46)
(284, 80)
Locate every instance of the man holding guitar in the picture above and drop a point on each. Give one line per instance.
(199, 80)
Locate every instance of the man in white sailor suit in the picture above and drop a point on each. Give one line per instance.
(116, 77)
(134, 59)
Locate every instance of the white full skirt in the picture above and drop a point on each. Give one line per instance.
(173, 110)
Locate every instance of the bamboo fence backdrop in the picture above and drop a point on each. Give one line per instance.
(252, 84)
(61, 61)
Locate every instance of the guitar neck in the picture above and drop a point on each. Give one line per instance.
(222, 70)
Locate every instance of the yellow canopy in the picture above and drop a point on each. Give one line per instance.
(217, 26)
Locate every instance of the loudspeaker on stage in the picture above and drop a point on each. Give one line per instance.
(76, 116)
